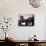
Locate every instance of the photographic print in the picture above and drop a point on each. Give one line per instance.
(26, 20)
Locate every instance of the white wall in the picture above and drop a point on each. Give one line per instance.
(45, 28)
(12, 8)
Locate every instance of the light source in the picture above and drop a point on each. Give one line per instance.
(35, 3)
